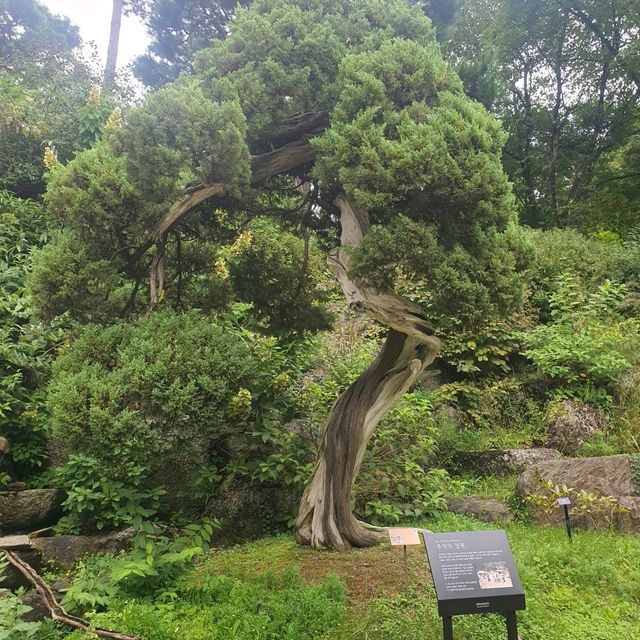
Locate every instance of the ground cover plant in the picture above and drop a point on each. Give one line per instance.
(274, 589)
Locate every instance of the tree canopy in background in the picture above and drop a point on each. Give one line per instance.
(562, 76)
(178, 30)
(43, 86)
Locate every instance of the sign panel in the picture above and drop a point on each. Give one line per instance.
(473, 572)
(564, 501)
(403, 536)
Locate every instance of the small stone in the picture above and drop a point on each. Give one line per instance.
(15, 543)
(486, 509)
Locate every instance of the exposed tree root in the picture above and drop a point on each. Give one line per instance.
(55, 608)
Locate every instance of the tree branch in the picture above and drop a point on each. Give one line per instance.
(56, 610)
(263, 166)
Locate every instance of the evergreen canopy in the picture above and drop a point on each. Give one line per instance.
(350, 95)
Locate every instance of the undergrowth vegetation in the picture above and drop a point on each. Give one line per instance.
(273, 590)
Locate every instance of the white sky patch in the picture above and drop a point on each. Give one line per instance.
(93, 18)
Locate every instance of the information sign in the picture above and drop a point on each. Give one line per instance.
(403, 536)
(474, 572)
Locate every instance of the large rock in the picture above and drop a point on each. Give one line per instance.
(571, 424)
(13, 579)
(67, 550)
(29, 509)
(486, 509)
(248, 511)
(604, 476)
(503, 461)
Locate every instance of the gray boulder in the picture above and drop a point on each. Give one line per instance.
(67, 550)
(29, 509)
(604, 476)
(486, 509)
(504, 461)
(570, 424)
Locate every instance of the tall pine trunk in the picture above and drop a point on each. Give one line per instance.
(325, 517)
(114, 39)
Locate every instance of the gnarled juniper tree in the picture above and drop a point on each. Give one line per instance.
(344, 112)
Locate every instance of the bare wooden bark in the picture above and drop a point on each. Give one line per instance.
(297, 151)
(114, 38)
(556, 124)
(56, 610)
(325, 517)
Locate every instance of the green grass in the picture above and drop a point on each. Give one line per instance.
(588, 589)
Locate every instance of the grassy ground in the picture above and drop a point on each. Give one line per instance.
(272, 589)
(587, 589)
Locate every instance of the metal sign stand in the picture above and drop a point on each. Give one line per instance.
(564, 503)
(510, 619)
(474, 572)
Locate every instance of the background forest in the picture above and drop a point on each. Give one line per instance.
(191, 407)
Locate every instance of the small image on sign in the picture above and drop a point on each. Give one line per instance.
(494, 575)
(403, 536)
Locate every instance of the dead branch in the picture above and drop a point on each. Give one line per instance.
(55, 608)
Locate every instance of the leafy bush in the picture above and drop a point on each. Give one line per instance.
(593, 507)
(26, 346)
(97, 500)
(396, 481)
(149, 569)
(588, 344)
(592, 260)
(271, 606)
(150, 393)
(12, 626)
(177, 399)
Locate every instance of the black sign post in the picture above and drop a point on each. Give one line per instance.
(564, 503)
(474, 572)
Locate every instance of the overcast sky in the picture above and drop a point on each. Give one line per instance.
(93, 17)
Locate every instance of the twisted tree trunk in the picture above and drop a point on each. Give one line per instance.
(325, 517)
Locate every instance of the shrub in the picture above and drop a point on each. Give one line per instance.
(26, 345)
(12, 626)
(151, 394)
(396, 481)
(96, 500)
(588, 344)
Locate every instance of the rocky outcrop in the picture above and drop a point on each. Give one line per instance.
(571, 424)
(66, 550)
(29, 509)
(248, 511)
(486, 509)
(602, 478)
(503, 461)
(62, 551)
(606, 475)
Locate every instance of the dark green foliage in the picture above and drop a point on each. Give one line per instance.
(43, 86)
(178, 30)
(12, 626)
(282, 58)
(149, 393)
(99, 499)
(275, 272)
(588, 344)
(397, 481)
(272, 606)
(153, 565)
(64, 280)
(26, 345)
(458, 286)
